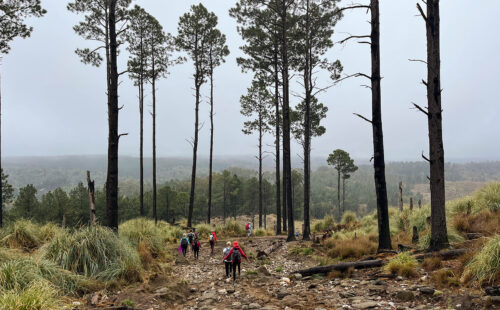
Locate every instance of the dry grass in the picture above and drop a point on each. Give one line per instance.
(403, 265)
(431, 263)
(486, 222)
(349, 248)
(445, 278)
(484, 267)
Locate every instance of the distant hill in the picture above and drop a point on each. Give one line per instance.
(48, 173)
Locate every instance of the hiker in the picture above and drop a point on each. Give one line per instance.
(190, 238)
(196, 248)
(227, 262)
(249, 229)
(235, 255)
(213, 240)
(184, 244)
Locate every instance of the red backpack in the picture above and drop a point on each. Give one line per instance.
(246, 227)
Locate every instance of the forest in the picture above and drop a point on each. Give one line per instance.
(322, 232)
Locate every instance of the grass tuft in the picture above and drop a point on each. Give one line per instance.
(403, 265)
(38, 295)
(484, 267)
(349, 248)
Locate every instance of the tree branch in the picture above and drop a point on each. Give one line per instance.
(423, 156)
(418, 60)
(353, 37)
(420, 108)
(362, 117)
(122, 134)
(422, 12)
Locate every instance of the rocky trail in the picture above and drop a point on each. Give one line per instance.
(269, 283)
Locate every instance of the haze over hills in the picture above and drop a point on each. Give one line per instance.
(48, 173)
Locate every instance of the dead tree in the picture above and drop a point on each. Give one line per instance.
(411, 204)
(91, 189)
(400, 196)
(420, 203)
(439, 237)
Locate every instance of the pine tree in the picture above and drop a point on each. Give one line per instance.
(12, 25)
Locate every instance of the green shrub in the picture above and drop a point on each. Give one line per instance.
(252, 272)
(307, 251)
(404, 265)
(38, 295)
(232, 228)
(279, 269)
(349, 218)
(327, 223)
(488, 197)
(22, 234)
(485, 265)
(460, 206)
(203, 230)
(260, 232)
(95, 251)
(145, 231)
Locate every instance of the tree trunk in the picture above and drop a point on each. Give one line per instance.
(411, 204)
(307, 131)
(419, 203)
(286, 123)
(401, 196)
(439, 237)
(113, 138)
(224, 202)
(141, 134)
(260, 167)
(340, 267)
(210, 177)
(91, 189)
(153, 90)
(1, 168)
(338, 193)
(384, 235)
(195, 151)
(277, 142)
(343, 194)
(285, 215)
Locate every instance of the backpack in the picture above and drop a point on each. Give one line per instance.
(211, 237)
(190, 236)
(184, 242)
(236, 257)
(246, 227)
(198, 245)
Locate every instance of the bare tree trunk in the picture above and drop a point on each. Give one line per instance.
(1, 168)
(285, 214)
(195, 151)
(277, 142)
(439, 236)
(384, 235)
(224, 202)
(343, 194)
(307, 131)
(91, 189)
(338, 193)
(411, 204)
(113, 138)
(141, 138)
(420, 204)
(210, 177)
(400, 196)
(260, 168)
(153, 90)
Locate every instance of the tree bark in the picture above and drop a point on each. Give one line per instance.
(141, 133)
(210, 177)
(439, 236)
(384, 239)
(340, 267)
(307, 130)
(343, 194)
(153, 90)
(261, 124)
(1, 181)
(277, 142)
(401, 196)
(338, 193)
(91, 189)
(113, 137)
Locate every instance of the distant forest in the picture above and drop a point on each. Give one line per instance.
(235, 185)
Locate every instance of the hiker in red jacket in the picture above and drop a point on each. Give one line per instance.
(213, 240)
(235, 256)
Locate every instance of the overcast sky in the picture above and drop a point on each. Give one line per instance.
(54, 105)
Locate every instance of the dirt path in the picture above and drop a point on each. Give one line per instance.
(265, 284)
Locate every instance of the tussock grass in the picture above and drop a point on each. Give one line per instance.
(349, 248)
(488, 197)
(97, 252)
(204, 230)
(231, 229)
(144, 232)
(445, 278)
(349, 218)
(484, 221)
(432, 263)
(22, 234)
(484, 267)
(404, 265)
(322, 225)
(39, 295)
(453, 238)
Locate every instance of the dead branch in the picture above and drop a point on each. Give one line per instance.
(362, 117)
(423, 156)
(420, 108)
(421, 12)
(122, 134)
(353, 37)
(341, 267)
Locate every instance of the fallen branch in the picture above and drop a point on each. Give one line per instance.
(273, 247)
(341, 267)
(444, 255)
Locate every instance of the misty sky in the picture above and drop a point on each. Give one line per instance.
(54, 105)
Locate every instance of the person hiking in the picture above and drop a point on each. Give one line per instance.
(213, 239)
(196, 247)
(248, 227)
(235, 255)
(227, 262)
(184, 244)
(190, 238)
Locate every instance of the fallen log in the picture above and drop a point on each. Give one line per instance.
(472, 236)
(341, 267)
(273, 247)
(444, 255)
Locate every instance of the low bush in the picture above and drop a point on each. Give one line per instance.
(95, 251)
(460, 206)
(349, 248)
(403, 265)
(322, 225)
(260, 232)
(484, 267)
(38, 295)
(233, 229)
(143, 232)
(485, 222)
(204, 230)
